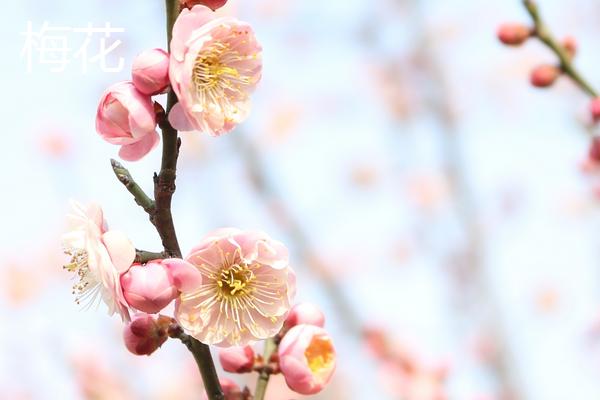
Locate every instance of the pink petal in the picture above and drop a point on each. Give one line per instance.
(137, 150)
(179, 119)
(186, 278)
(120, 250)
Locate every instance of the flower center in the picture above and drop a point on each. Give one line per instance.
(219, 75)
(319, 354)
(86, 287)
(235, 280)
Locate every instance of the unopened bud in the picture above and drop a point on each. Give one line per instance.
(305, 313)
(570, 45)
(594, 152)
(513, 34)
(150, 72)
(595, 109)
(237, 359)
(544, 75)
(212, 4)
(146, 333)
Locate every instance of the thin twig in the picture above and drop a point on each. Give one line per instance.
(542, 32)
(141, 198)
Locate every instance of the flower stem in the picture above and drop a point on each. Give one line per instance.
(566, 63)
(265, 374)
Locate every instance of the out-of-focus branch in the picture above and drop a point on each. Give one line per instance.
(441, 103)
(266, 190)
(542, 32)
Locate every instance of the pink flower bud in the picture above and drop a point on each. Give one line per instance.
(570, 45)
(594, 152)
(146, 333)
(150, 71)
(307, 358)
(513, 34)
(544, 75)
(126, 117)
(151, 287)
(305, 313)
(237, 359)
(212, 4)
(595, 109)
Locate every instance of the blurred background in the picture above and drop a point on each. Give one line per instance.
(435, 204)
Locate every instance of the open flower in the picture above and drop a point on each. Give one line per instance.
(307, 358)
(247, 287)
(98, 258)
(215, 65)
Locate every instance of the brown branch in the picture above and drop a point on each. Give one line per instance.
(164, 187)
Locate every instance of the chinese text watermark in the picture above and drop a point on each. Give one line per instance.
(57, 47)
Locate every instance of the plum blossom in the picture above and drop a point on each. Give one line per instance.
(126, 117)
(237, 359)
(150, 72)
(146, 333)
(215, 64)
(98, 258)
(247, 287)
(151, 287)
(305, 313)
(307, 358)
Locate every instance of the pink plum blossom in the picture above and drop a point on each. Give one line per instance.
(98, 258)
(237, 359)
(215, 64)
(305, 313)
(126, 117)
(151, 287)
(150, 72)
(146, 333)
(247, 288)
(307, 358)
